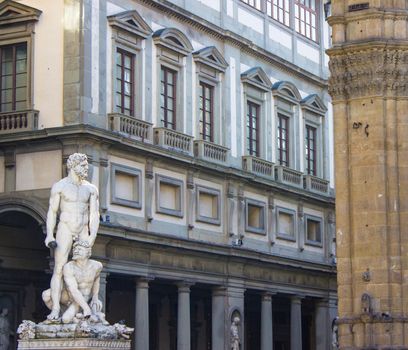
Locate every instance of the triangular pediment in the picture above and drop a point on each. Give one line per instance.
(12, 12)
(173, 39)
(256, 76)
(314, 103)
(131, 22)
(212, 57)
(286, 90)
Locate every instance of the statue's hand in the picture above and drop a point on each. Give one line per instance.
(96, 305)
(48, 240)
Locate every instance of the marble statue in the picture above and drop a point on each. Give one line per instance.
(5, 331)
(235, 341)
(81, 286)
(335, 334)
(74, 289)
(76, 200)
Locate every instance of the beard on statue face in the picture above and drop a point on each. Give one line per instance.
(81, 170)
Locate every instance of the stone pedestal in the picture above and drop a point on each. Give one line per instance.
(77, 344)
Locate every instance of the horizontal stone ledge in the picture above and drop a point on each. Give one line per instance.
(74, 343)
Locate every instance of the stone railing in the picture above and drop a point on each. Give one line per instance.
(288, 176)
(316, 184)
(210, 151)
(135, 128)
(257, 165)
(18, 121)
(173, 140)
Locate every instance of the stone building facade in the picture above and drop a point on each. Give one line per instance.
(207, 125)
(368, 84)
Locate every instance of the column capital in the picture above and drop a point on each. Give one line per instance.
(184, 286)
(267, 295)
(296, 299)
(219, 291)
(143, 281)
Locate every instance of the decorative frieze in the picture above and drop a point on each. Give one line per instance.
(368, 71)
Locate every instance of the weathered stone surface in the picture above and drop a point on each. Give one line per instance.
(79, 344)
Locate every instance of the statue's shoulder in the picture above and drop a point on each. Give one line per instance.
(97, 264)
(90, 186)
(59, 185)
(68, 267)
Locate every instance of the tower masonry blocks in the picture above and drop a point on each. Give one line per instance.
(368, 85)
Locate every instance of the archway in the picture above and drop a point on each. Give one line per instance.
(24, 262)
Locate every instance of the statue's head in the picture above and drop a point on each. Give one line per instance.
(81, 250)
(236, 320)
(78, 163)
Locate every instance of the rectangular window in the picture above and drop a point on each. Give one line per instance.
(169, 196)
(124, 82)
(255, 216)
(306, 18)
(310, 143)
(126, 185)
(279, 10)
(208, 205)
(286, 224)
(253, 3)
(252, 129)
(206, 111)
(283, 140)
(313, 230)
(168, 78)
(13, 83)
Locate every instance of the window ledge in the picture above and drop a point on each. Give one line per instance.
(285, 237)
(314, 243)
(173, 140)
(17, 121)
(257, 166)
(316, 184)
(289, 176)
(131, 127)
(210, 151)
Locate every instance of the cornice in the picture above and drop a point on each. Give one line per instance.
(242, 43)
(373, 13)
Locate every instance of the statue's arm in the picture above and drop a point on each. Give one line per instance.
(93, 215)
(72, 286)
(52, 212)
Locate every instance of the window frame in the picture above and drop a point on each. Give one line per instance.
(172, 182)
(308, 160)
(137, 174)
(165, 122)
(213, 192)
(282, 116)
(132, 56)
(262, 206)
(308, 12)
(316, 219)
(203, 112)
(285, 236)
(250, 105)
(286, 12)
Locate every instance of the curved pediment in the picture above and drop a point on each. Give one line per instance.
(314, 103)
(12, 12)
(256, 76)
(211, 57)
(131, 22)
(287, 90)
(173, 39)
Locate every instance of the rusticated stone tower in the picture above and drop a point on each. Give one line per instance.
(369, 88)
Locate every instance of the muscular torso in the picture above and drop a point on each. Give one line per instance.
(74, 205)
(84, 276)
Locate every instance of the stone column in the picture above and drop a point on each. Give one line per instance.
(142, 314)
(295, 323)
(266, 322)
(218, 318)
(183, 317)
(322, 325)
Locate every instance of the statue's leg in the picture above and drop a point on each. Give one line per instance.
(46, 297)
(64, 243)
(70, 313)
(84, 234)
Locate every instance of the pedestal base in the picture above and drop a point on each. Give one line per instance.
(78, 344)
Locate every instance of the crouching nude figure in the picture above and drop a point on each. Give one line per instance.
(76, 202)
(81, 278)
